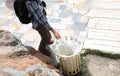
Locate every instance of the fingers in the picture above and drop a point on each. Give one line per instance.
(58, 36)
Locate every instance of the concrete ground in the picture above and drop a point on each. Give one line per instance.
(101, 66)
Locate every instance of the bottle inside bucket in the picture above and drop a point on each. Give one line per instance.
(63, 48)
(66, 47)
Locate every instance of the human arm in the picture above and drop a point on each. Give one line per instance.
(37, 11)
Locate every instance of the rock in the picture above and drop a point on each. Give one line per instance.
(17, 59)
(40, 71)
(7, 39)
(36, 70)
(12, 49)
(9, 4)
(11, 72)
(26, 56)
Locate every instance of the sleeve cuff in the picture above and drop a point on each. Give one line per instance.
(50, 28)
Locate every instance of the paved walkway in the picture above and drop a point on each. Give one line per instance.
(71, 18)
(104, 26)
(64, 15)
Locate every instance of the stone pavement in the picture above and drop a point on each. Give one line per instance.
(64, 15)
(101, 17)
(104, 26)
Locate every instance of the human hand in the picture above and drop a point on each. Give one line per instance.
(56, 34)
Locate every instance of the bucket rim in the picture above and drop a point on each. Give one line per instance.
(81, 43)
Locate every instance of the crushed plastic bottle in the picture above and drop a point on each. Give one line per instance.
(67, 46)
(64, 47)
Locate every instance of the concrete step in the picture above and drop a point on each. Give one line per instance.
(103, 42)
(103, 45)
(103, 13)
(105, 4)
(103, 35)
(101, 23)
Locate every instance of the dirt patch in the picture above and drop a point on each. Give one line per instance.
(22, 60)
